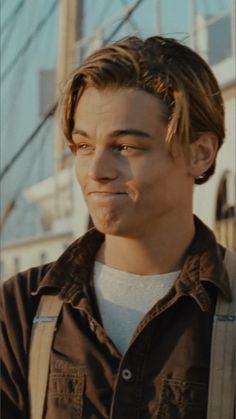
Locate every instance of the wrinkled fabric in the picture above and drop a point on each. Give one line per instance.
(165, 370)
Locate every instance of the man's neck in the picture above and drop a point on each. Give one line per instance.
(159, 253)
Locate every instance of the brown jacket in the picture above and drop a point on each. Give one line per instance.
(164, 371)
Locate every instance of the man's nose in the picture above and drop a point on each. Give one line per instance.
(103, 165)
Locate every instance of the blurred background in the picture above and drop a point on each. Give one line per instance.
(42, 41)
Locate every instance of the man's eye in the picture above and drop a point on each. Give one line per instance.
(125, 148)
(83, 148)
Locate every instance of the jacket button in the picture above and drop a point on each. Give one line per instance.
(126, 374)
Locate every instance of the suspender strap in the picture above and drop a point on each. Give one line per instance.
(222, 366)
(41, 340)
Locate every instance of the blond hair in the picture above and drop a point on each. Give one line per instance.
(181, 80)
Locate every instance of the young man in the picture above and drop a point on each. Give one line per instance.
(145, 120)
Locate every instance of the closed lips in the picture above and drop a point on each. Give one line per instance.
(106, 193)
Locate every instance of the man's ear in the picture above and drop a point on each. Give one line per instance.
(202, 154)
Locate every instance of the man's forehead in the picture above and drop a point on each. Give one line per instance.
(118, 113)
(124, 102)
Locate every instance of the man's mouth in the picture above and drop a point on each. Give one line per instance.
(106, 194)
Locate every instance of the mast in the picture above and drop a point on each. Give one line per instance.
(70, 30)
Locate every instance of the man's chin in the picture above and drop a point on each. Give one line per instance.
(111, 227)
(107, 229)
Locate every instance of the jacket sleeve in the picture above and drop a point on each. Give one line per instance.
(17, 308)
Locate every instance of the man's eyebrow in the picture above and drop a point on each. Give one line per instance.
(116, 134)
(130, 131)
(77, 131)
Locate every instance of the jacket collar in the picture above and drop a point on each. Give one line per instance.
(70, 276)
(203, 263)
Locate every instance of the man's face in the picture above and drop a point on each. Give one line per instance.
(129, 180)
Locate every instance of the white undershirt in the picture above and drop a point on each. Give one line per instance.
(124, 298)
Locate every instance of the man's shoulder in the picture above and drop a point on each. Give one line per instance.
(26, 282)
(57, 274)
